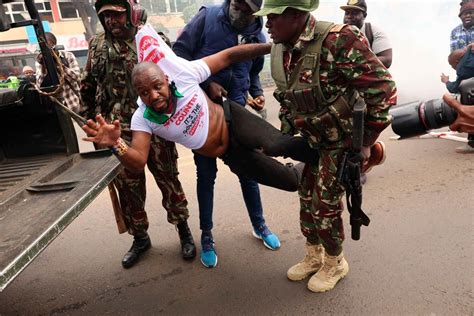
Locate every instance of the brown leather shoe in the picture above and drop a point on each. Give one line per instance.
(377, 156)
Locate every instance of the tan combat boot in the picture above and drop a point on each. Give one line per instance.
(311, 263)
(334, 269)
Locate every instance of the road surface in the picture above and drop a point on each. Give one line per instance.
(414, 258)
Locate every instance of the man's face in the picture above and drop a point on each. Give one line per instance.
(281, 27)
(28, 72)
(354, 17)
(115, 23)
(467, 18)
(240, 14)
(152, 87)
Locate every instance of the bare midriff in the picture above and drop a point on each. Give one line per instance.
(218, 136)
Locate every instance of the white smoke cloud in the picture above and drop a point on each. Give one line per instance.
(419, 32)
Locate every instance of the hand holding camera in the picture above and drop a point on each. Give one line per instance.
(465, 118)
(417, 118)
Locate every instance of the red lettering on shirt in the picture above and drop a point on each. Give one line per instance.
(154, 56)
(147, 41)
(182, 114)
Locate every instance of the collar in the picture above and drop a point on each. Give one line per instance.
(307, 34)
(465, 29)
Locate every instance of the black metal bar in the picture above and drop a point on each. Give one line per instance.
(24, 23)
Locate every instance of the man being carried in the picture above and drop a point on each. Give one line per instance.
(180, 111)
(215, 28)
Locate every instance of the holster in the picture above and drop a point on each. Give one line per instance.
(331, 124)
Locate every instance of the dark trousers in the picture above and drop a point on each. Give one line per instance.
(206, 176)
(253, 141)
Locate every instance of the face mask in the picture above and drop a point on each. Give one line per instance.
(161, 117)
(239, 20)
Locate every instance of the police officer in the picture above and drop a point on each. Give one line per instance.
(320, 70)
(106, 88)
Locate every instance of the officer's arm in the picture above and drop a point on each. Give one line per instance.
(223, 59)
(385, 57)
(364, 73)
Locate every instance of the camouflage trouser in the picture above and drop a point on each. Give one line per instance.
(162, 162)
(321, 202)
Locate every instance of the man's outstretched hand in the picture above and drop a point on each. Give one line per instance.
(465, 120)
(102, 133)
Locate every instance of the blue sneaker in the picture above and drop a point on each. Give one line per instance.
(208, 253)
(270, 240)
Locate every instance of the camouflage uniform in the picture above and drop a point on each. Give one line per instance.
(347, 68)
(106, 88)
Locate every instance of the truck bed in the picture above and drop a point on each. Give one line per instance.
(40, 196)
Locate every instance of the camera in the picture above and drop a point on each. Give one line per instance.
(417, 118)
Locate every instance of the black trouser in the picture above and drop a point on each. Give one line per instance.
(252, 141)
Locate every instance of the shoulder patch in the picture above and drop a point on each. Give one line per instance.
(337, 28)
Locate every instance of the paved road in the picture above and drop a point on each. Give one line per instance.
(415, 258)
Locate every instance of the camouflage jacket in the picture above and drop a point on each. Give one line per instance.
(106, 86)
(347, 63)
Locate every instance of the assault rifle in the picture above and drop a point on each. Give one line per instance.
(349, 173)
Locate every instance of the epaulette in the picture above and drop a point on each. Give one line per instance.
(337, 28)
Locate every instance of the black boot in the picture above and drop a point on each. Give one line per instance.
(188, 249)
(141, 243)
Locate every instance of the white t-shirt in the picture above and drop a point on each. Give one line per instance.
(189, 125)
(381, 41)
